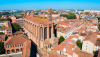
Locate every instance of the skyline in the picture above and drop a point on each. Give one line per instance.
(54, 4)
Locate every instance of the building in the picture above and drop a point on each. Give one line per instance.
(16, 44)
(3, 37)
(41, 32)
(5, 27)
(19, 54)
(89, 42)
(19, 21)
(51, 54)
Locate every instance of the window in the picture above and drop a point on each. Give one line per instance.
(86, 43)
(8, 32)
(8, 46)
(20, 45)
(86, 48)
(13, 45)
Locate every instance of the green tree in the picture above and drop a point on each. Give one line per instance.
(6, 19)
(87, 13)
(2, 51)
(16, 27)
(81, 13)
(98, 18)
(61, 39)
(99, 27)
(79, 44)
(69, 16)
(1, 33)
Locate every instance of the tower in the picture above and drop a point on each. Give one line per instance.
(49, 14)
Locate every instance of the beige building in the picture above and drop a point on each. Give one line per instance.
(89, 42)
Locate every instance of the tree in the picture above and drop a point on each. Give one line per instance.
(79, 44)
(1, 33)
(87, 13)
(98, 18)
(81, 13)
(99, 27)
(16, 27)
(61, 39)
(2, 51)
(69, 16)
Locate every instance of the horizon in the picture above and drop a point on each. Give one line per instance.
(54, 4)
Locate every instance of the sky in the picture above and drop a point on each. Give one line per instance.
(54, 4)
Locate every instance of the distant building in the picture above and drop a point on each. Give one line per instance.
(16, 44)
(5, 27)
(3, 37)
(19, 21)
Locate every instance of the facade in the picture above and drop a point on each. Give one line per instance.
(19, 21)
(89, 42)
(16, 44)
(5, 27)
(3, 37)
(41, 31)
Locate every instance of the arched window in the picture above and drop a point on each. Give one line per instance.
(8, 51)
(13, 51)
(17, 50)
(21, 49)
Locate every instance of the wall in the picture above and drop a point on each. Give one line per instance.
(88, 46)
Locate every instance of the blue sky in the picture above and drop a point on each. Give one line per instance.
(43, 4)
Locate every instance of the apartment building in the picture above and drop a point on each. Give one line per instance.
(5, 27)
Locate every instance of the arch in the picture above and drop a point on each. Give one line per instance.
(41, 33)
(8, 51)
(17, 50)
(45, 33)
(13, 51)
(21, 49)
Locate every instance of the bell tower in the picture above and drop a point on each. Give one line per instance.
(49, 14)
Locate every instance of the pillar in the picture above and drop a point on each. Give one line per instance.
(43, 34)
(47, 31)
(52, 30)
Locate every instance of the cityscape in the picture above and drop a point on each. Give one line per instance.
(50, 28)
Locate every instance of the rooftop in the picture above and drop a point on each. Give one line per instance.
(37, 20)
(16, 40)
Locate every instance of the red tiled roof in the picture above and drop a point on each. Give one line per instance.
(16, 40)
(37, 20)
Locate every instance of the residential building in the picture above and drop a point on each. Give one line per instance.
(3, 37)
(89, 42)
(5, 27)
(19, 21)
